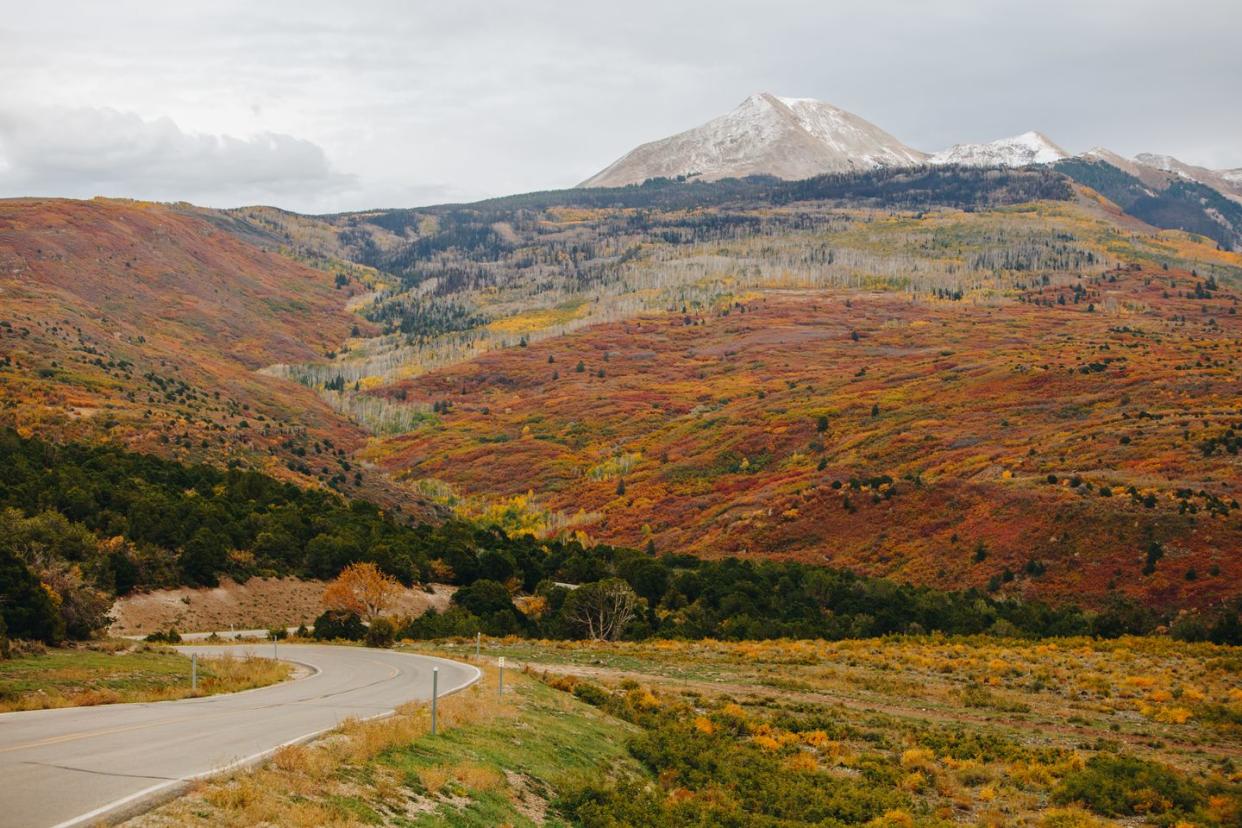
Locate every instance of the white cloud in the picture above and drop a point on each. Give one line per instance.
(85, 152)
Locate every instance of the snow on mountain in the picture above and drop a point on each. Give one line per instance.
(790, 138)
(1122, 163)
(795, 138)
(1018, 151)
(1219, 180)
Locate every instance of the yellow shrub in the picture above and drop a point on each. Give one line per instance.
(892, 819)
(766, 742)
(801, 762)
(646, 700)
(816, 738)
(1070, 818)
(914, 782)
(918, 759)
(1173, 715)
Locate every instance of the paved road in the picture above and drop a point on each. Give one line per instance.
(76, 766)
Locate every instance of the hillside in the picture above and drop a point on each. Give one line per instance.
(140, 324)
(1160, 198)
(692, 313)
(1028, 447)
(951, 376)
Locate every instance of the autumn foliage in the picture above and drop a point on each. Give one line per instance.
(362, 589)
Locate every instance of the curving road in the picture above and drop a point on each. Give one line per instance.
(80, 765)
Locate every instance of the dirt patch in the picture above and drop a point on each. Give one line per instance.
(260, 603)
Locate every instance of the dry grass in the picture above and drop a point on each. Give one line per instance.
(95, 676)
(316, 784)
(494, 762)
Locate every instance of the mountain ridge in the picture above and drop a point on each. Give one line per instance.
(799, 138)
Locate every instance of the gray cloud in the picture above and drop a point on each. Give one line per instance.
(424, 101)
(87, 152)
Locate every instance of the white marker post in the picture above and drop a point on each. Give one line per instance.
(435, 691)
(478, 638)
(194, 672)
(502, 675)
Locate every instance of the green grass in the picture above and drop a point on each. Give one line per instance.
(493, 762)
(555, 743)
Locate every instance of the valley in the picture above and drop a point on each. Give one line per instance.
(466, 415)
(953, 378)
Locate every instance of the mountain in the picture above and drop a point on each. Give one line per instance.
(1126, 165)
(1018, 151)
(790, 138)
(1158, 197)
(1227, 182)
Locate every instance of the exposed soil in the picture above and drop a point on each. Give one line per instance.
(259, 603)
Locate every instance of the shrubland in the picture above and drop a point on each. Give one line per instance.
(781, 733)
(83, 524)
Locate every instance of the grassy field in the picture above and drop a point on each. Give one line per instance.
(1067, 733)
(106, 674)
(941, 731)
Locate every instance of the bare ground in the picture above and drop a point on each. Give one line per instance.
(260, 603)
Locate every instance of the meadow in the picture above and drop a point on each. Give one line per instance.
(905, 731)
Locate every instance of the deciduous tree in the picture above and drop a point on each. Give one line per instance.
(600, 610)
(363, 589)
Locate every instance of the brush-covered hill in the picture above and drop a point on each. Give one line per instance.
(952, 376)
(1077, 439)
(949, 376)
(142, 325)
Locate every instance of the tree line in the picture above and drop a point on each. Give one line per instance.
(82, 524)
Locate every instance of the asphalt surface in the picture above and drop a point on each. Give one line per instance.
(82, 765)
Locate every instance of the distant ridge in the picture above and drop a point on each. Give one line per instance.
(1018, 151)
(799, 138)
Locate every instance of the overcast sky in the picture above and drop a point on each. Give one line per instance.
(348, 105)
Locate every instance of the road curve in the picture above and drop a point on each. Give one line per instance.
(80, 765)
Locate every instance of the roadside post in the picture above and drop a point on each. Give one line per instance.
(478, 638)
(194, 671)
(502, 675)
(435, 691)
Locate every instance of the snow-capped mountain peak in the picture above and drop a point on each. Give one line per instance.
(1018, 151)
(789, 138)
